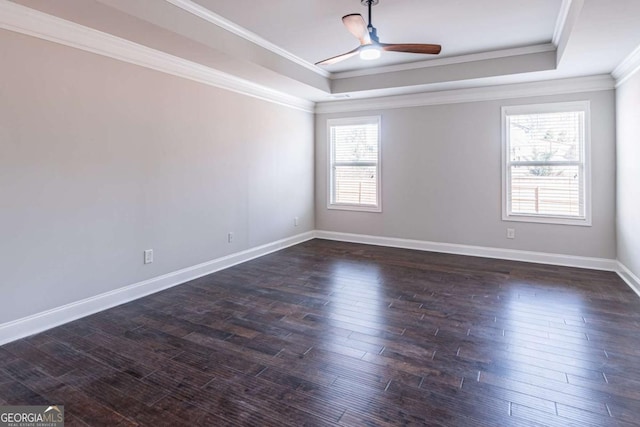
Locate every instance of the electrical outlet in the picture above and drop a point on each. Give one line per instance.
(511, 233)
(148, 256)
(296, 222)
(230, 237)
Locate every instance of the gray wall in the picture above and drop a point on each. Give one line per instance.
(100, 160)
(628, 152)
(441, 180)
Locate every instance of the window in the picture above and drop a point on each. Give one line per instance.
(546, 163)
(354, 164)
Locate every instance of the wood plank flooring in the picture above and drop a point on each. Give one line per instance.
(328, 333)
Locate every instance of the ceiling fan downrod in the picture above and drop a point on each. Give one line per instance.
(373, 33)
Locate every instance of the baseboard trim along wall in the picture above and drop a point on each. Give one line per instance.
(508, 254)
(479, 251)
(631, 279)
(39, 322)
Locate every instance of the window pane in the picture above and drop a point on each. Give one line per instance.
(545, 137)
(356, 143)
(355, 185)
(546, 190)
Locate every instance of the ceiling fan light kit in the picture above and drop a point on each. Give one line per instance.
(370, 52)
(370, 46)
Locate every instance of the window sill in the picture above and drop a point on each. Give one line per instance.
(357, 208)
(553, 220)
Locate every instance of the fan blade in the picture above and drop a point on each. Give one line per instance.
(336, 59)
(356, 26)
(432, 49)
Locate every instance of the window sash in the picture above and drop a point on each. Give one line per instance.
(553, 190)
(548, 163)
(335, 165)
(334, 200)
(550, 195)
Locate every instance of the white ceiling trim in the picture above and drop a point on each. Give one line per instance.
(490, 93)
(494, 54)
(569, 13)
(232, 27)
(21, 19)
(561, 21)
(627, 68)
(561, 28)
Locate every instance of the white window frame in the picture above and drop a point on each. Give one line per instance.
(507, 215)
(331, 164)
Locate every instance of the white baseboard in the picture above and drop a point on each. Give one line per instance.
(479, 251)
(39, 322)
(631, 279)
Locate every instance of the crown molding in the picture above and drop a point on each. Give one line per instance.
(488, 93)
(561, 21)
(494, 54)
(24, 20)
(627, 68)
(209, 16)
(567, 18)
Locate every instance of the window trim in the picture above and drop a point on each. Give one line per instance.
(330, 178)
(556, 107)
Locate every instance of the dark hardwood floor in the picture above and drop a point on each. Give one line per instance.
(328, 333)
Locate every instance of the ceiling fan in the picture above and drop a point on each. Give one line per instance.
(370, 46)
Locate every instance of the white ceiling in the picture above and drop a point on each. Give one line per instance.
(275, 43)
(313, 30)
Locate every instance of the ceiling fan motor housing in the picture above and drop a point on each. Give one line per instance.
(373, 34)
